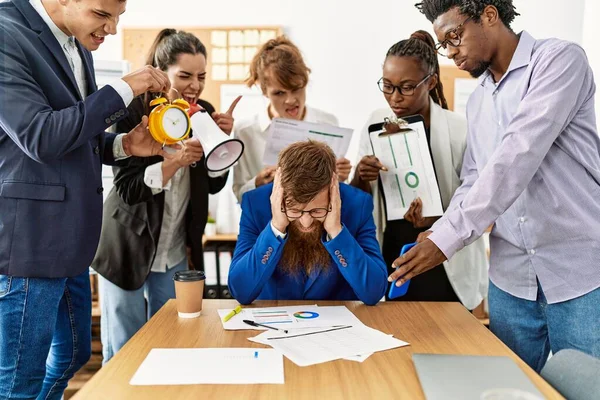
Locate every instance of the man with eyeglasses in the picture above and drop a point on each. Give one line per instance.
(306, 236)
(531, 168)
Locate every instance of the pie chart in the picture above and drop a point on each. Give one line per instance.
(412, 180)
(306, 315)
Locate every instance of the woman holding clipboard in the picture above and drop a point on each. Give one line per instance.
(411, 85)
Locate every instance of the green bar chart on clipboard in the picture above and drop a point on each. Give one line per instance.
(410, 171)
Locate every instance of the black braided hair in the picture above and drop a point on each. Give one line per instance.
(422, 46)
(470, 8)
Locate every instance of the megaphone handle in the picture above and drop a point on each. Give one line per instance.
(192, 165)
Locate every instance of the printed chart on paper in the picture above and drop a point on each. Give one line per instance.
(410, 172)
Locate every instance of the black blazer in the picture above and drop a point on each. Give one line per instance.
(133, 215)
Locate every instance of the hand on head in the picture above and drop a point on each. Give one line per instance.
(279, 219)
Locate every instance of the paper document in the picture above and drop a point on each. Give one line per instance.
(210, 366)
(295, 317)
(317, 346)
(410, 171)
(283, 132)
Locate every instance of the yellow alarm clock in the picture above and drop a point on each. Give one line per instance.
(169, 123)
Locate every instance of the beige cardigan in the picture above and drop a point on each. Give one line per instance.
(468, 269)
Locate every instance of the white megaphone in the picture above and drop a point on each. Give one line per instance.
(220, 150)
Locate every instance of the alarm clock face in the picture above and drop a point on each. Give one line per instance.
(175, 122)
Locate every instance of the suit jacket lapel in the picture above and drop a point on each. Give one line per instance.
(442, 151)
(47, 37)
(50, 41)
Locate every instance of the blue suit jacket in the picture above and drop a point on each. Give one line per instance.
(254, 274)
(52, 144)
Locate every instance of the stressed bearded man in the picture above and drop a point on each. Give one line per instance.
(306, 236)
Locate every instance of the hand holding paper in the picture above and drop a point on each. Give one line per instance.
(343, 168)
(414, 215)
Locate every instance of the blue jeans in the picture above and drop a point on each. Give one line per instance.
(124, 312)
(534, 328)
(45, 334)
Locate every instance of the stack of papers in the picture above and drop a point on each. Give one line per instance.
(210, 366)
(315, 334)
(317, 346)
(296, 317)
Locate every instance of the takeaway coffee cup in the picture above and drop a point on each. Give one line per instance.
(189, 288)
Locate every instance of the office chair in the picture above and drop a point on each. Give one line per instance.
(574, 374)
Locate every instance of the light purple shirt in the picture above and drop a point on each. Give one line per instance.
(532, 167)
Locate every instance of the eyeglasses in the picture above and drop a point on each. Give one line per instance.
(293, 213)
(452, 39)
(404, 90)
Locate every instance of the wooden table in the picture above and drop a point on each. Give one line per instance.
(428, 327)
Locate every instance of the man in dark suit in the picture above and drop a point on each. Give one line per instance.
(52, 145)
(307, 237)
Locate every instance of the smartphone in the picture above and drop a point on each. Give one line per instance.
(396, 291)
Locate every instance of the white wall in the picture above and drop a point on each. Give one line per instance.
(343, 41)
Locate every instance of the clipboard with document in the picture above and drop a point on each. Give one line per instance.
(401, 146)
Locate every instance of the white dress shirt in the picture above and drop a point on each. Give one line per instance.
(253, 133)
(69, 46)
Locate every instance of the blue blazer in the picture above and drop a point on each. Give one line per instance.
(52, 145)
(254, 274)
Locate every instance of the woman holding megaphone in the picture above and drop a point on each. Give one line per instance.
(156, 212)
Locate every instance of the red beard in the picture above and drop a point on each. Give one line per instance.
(304, 252)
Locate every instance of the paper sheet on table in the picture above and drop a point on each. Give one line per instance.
(261, 339)
(295, 317)
(283, 132)
(317, 346)
(361, 357)
(358, 358)
(210, 366)
(410, 172)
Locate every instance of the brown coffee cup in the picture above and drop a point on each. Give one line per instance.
(189, 289)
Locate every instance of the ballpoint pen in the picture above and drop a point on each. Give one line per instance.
(252, 323)
(236, 310)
